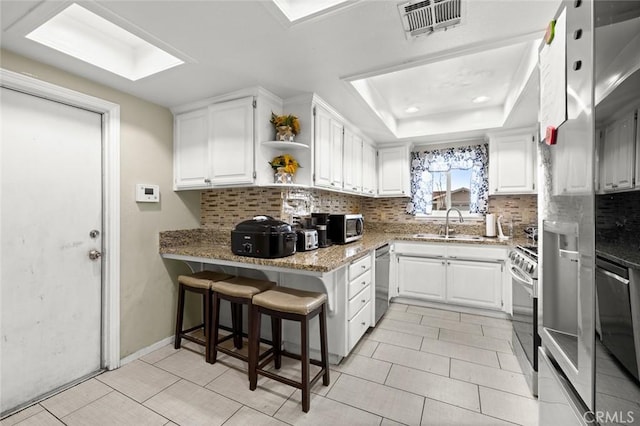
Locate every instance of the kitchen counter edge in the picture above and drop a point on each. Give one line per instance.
(203, 244)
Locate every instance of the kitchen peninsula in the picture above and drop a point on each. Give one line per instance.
(344, 272)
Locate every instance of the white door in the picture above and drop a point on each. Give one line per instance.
(50, 201)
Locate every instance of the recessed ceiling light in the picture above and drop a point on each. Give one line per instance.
(480, 99)
(86, 36)
(412, 109)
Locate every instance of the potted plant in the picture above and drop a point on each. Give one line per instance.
(287, 126)
(285, 167)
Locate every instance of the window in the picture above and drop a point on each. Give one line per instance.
(451, 177)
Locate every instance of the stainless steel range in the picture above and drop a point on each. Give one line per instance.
(524, 277)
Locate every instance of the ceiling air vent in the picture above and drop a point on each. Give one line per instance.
(424, 17)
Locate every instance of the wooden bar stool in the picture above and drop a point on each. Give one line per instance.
(295, 305)
(199, 282)
(238, 291)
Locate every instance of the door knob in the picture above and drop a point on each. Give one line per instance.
(94, 255)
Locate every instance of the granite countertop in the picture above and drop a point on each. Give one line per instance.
(210, 244)
(626, 255)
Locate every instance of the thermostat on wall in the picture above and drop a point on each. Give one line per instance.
(147, 193)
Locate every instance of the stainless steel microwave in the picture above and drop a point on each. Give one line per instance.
(345, 228)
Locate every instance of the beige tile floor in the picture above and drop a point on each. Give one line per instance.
(420, 366)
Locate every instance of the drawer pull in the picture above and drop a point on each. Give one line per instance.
(364, 323)
(364, 283)
(364, 301)
(363, 266)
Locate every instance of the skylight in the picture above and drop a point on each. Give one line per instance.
(86, 36)
(295, 10)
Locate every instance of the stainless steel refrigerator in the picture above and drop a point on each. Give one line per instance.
(589, 315)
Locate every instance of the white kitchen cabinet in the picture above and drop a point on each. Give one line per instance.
(327, 149)
(360, 294)
(469, 275)
(353, 162)
(619, 154)
(422, 277)
(191, 150)
(369, 174)
(393, 171)
(231, 142)
(474, 283)
(218, 140)
(512, 163)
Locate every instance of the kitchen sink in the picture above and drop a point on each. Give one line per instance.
(459, 237)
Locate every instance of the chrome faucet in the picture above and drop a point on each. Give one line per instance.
(446, 226)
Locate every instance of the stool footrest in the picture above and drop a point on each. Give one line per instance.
(194, 339)
(194, 328)
(288, 381)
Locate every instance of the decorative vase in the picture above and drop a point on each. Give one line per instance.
(282, 177)
(284, 133)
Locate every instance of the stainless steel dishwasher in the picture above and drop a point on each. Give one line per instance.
(617, 302)
(382, 281)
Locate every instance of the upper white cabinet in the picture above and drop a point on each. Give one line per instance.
(369, 174)
(393, 171)
(618, 161)
(353, 162)
(191, 150)
(512, 163)
(217, 141)
(327, 149)
(231, 143)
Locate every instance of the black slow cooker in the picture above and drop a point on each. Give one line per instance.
(263, 236)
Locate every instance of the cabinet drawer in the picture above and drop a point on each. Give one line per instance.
(360, 266)
(359, 324)
(359, 283)
(359, 301)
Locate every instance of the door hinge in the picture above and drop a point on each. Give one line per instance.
(533, 138)
(255, 103)
(314, 177)
(254, 174)
(533, 186)
(398, 289)
(314, 111)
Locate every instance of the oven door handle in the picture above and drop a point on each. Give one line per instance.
(524, 281)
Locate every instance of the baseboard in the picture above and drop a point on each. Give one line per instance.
(451, 307)
(145, 351)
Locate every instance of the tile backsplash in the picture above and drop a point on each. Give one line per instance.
(224, 208)
(617, 218)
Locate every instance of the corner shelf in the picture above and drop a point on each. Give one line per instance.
(284, 145)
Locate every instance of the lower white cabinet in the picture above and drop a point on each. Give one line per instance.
(422, 277)
(462, 275)
(360, 295)
(474, 283)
